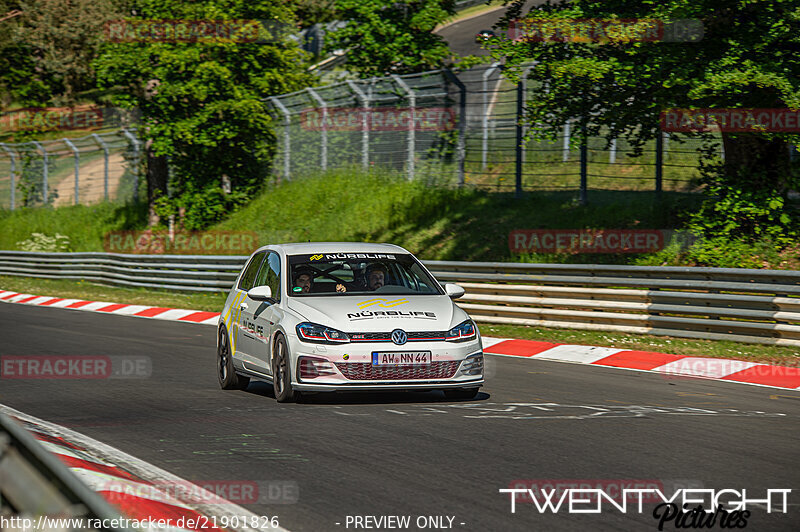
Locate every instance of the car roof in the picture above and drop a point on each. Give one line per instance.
(304, 248)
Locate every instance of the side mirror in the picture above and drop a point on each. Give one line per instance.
(453, 290)
(260, 293)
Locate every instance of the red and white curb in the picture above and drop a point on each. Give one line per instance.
(138, 311)
(670, 366)
(134, 487)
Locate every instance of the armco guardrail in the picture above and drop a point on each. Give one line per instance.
(35, 483)
(756, 306)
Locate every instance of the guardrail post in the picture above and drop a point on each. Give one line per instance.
(324, 139)
(412, 139)
(103, 145)
(13, 157)
(364, 99)
(485, 118)
(287, 137)
(77, 156)
(136, 144)
(44, 170)
(461, 149)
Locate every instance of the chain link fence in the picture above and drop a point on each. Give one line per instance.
(455, 129)
(70, 171)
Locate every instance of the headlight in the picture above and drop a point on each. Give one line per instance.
(462, 332)
(319, 334)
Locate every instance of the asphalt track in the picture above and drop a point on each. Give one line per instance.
(416, 455)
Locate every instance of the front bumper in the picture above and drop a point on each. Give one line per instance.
(349, 361)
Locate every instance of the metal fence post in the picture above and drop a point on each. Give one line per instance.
(13, 157)
(519, 138)
(565, 157)
(584, 163)
(659, 160)
(44, 170)
(462, 124)
(365, 124)
(105, 165)
(287, 137)
(77, 156)
(324, 140)
(485, 118)
(135, 142)
(412, 138)
(612, 151)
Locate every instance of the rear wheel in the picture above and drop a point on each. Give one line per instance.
(228, 379)
(282, 373)
(461, 393)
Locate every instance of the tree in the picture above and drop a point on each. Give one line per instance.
(391, 37)
(201, 101)
(748, 57)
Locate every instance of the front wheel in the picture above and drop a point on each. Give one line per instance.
(282, 373)
(228, 379)
(461, 393)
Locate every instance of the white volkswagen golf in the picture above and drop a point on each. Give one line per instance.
(338, 316)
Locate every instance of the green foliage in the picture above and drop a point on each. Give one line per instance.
(203, 103)
(747, 58)
(725, 252)
(391, 36)
(45, 243)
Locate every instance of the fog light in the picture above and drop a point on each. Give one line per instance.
(312, 367)
(472, 365)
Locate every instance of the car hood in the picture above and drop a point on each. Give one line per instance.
(380, 314)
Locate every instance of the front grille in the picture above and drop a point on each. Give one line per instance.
(365, 371)
(387, 336)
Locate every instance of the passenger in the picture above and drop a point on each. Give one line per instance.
(304, 279)
(376, 276)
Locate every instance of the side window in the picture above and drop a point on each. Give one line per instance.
(270, 275)
(249, 275)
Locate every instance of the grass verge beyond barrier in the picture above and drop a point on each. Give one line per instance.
(783, 356)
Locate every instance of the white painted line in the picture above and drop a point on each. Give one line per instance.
(174, 314)
(39, 300)
(712, 368)
(18, 297)
(96, 305)
(210, 321)
(488, 341)
(141, 469)
(130, 309)
(66, 451)
(582, 354)
(64, 303)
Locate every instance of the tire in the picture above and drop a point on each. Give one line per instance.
(282, 373)
(461, 393)
(228, 378)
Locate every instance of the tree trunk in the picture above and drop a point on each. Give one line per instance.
(157, 175)
(756, 162)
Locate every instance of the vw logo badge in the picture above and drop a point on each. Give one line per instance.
(399, 336)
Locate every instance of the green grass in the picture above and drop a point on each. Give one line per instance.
(786, 356)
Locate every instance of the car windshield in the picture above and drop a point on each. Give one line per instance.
(338, 274)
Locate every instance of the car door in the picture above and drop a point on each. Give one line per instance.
(262, 317)
(242, 308)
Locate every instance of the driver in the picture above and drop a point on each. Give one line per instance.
(304, 279)
(375, 276)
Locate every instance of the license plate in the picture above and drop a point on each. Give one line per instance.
(402, 358)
